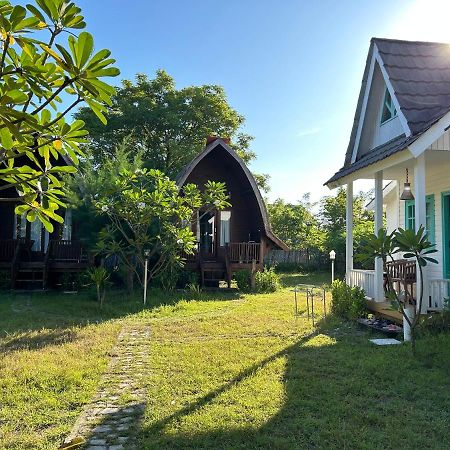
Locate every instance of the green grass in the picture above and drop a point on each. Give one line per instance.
(227, 372)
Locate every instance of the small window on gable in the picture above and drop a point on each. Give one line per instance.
(388, 112)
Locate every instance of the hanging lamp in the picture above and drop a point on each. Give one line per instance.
(407, 193)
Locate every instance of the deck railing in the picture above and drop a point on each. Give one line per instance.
(439, 289)
(365, 279)
(244, 252)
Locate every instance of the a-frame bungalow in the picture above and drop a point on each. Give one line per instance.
(236, 238)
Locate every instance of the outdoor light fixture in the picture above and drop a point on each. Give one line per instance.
(332, 257)
(407, 193)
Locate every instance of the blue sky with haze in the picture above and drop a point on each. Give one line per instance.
(292, 68)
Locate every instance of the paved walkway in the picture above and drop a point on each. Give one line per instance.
(111, 421)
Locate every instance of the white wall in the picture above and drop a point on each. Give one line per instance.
(437, 181)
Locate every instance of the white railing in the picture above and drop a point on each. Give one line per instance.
(439, 290)
(365, 279)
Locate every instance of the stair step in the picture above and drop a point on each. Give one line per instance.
(25, 280)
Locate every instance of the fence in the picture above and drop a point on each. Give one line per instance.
(305, 258)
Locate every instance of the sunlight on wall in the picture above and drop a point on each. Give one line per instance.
(423, 20)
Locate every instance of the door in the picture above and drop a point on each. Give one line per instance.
(446, 232)
(207, 225)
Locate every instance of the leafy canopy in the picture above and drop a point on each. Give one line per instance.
(295, 224)
(44, 75)
(150, 217)
(167, 124)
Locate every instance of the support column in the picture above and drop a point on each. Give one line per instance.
(379, 290)
(349, 232)
(420, 219)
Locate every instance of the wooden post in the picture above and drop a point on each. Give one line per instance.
(349, 232)
(252, 275)
(379, 289)
(420, 219)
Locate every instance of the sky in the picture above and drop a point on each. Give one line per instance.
(293, 68)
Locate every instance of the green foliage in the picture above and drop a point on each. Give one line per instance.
(242, 278)
(347, 302)
(99, 276)
(413, 245)
(149, 219)
(170, 125)
(332, 216)
(438, 322)
(296, 224)
(35, 74)
(267, 280)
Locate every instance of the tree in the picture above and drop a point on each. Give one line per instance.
(295, 224)
(412, 245)
(123, 209)
(37, 74)
(332, 217)
(150, 217)
(167, 124)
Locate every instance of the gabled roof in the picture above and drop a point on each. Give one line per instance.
(419, 75)
(186, 171)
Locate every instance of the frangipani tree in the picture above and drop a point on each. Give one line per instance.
(46, 70)
(413, 245)
(150, 218)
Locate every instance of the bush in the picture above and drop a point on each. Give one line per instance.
(437, 323)
(347, 302)
(267, 280)
(242, 278)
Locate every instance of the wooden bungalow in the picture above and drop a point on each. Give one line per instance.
(30, 254)
(236, 238)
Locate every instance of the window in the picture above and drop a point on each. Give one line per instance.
(410, 216)
(388, 112)
(67, 226)
(20, 226)
(225, 232)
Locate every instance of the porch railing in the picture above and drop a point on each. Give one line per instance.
(365, 279)
(439, 290)
(244, 252)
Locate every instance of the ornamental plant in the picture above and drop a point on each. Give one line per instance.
(413, 245)
(150, 219)
(46, 70)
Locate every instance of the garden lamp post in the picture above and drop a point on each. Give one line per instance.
(146, 254)
(332, 257)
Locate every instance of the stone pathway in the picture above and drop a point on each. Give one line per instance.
(111, 421)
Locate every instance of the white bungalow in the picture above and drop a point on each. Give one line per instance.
(401, 134)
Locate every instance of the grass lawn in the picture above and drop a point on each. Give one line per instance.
(228, 371)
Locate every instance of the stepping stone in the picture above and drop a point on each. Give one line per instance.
(385, 341)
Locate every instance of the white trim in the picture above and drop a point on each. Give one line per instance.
(349, 231)
(362, 113)
(378, 284)
(369, 171)
(390, 88)
(430, 136)
(377, 58)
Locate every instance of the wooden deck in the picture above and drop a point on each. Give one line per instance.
(384, 310)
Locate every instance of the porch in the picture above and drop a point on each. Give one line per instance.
(220, 265)
(30, 268)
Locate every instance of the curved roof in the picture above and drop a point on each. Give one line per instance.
(187, 170)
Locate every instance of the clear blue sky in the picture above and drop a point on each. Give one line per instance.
(292, 68)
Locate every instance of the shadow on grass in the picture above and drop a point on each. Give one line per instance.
(54, 314)
(341, 394)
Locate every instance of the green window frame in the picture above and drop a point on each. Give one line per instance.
(388, 111)
(430, 216)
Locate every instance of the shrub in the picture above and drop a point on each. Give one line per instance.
(242, 278)
(347, 302)
(437, 323)
(267, 280)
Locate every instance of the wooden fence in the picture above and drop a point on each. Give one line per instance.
(305, 258)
